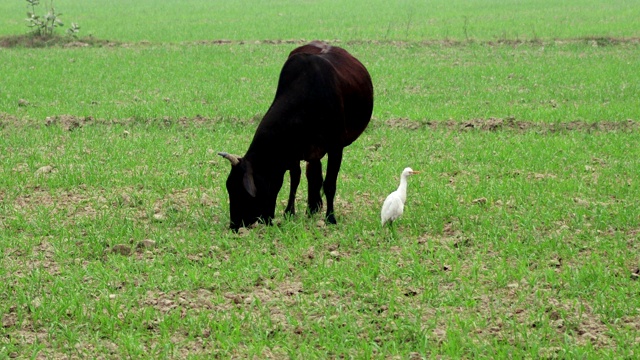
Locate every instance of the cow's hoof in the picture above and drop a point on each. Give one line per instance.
(331, 219)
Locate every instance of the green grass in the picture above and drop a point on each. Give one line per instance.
(179, 21)
(552, 82)
(544, 265)
(515, 243)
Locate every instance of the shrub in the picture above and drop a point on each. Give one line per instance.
(45, 25)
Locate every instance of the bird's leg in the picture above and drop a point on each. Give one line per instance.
(393, 230)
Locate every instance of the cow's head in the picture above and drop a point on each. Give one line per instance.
(243, 204)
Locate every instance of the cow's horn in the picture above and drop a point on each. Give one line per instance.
(232, 158)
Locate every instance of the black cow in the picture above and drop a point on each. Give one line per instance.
(323, 103)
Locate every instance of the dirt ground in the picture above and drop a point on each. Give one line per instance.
(71, 122)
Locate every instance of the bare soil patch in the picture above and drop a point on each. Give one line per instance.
(512, 124)
(73, 204)
(589, 40)
(72, 122)
(574, 319)
(31, 41)
(37, 41)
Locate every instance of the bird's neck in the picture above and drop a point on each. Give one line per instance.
(402, 189)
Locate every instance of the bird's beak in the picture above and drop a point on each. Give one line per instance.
(415, 172)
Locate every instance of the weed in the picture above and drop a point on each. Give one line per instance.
(43, 25)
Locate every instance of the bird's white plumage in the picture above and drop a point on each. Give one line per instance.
(393, 205)
(392, 208)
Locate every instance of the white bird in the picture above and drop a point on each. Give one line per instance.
(393, 206)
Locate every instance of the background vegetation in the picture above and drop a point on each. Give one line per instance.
(195, 20)
(520, 237)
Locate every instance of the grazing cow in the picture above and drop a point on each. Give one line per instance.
(323, 103)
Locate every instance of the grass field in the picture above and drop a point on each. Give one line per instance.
(520, 236)
(194, 20)
(530, 82)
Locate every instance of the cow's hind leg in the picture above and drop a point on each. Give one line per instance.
(314, 180)
(294, 175)
(334, 160)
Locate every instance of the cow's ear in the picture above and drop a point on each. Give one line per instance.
(249, 185)
(247, 180)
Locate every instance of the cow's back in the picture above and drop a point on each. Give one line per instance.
(354, 86)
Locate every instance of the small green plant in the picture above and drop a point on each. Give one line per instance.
(73, 30)
(45, 25)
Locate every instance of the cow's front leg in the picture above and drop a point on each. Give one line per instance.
(334, 159)
(269, 199)
(294, 175)
(314, 181)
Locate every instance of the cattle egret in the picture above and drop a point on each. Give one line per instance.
(394, 203)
